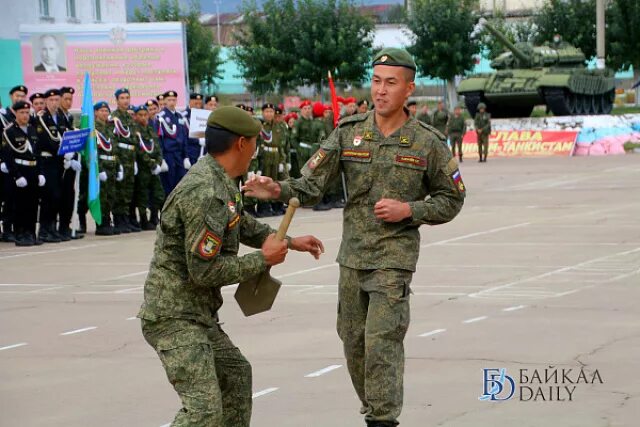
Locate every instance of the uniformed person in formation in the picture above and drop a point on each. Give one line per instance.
(272, 146)
(173, 134)
(20, 154)
(182, 293)
(126, 144)
(482, 123)
(456, 128)
(37, 104)
(50, 126)
(210, 102)
(400, 175)
(160, 99)
(424, 115)
(7, 187)
(440, 118)
(108, 167)
(195, 146)
(412, 106)
(305, 137)
(149, 193)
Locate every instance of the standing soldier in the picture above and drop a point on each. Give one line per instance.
(272, 144)
(195, 146)
(153, 108)
(37, 102)
(440, 118)
(482, 123)
(424, 115)
(149, 192)
(210, 102)
(400, 175)
(19, 152)
(173, 134)
(7, 187)
(412, 106)
(456, 128)
(306, 135)
(126, 152)
(182, 293)
(71, 167)
(49, 128)
(363, 107)
(108, 167)
(279, 117)
(160, 99)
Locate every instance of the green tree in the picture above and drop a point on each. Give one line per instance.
(574, 20)
(291, 43)
(202, 55)
(623, 36)
(516, 32)
(443, 46)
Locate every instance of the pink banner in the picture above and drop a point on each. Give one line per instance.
(148, 59)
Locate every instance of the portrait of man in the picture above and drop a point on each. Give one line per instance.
(51, 54)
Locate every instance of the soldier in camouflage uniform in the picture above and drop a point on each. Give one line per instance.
(272, 145)
(424, 115)
(149, 192)
(126, 144)
(182, 293)
(305, 137)
(400, 175)
(482, 123)
(107, 165)
(456, 128)
(440, 118)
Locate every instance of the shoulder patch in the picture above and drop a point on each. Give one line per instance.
(433, 130)
(207, 245)
(353, 119)
(452, 165)
(317, 159)
(457, 180)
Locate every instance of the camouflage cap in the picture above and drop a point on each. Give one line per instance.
(482, 105)
(234, 120)
(396, 57)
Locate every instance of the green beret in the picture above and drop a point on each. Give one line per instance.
(234, 120)
(395, 57)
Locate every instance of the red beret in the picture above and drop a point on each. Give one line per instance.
(305, 103)
(340, 100)
(350, 101)
(318, 109)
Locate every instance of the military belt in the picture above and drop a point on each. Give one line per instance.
(105, 157)
(305, 145)
(45, 154)
(26, 162)
(129, 147)
(270, 149)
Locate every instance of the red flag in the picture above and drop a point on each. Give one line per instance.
(334, 101)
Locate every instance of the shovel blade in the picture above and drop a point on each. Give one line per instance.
(257, 294)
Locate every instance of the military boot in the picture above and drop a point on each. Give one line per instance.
(154, 220)
(264, 210)
(133, 226)
(121, 225)
(324, 205)
(45, 234)
(278, 208)
(145, 224)
(104, 229)
(23, 238)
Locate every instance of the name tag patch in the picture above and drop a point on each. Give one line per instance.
(411, 160)
(356, 154)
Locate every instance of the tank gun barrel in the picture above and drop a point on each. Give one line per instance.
(484, 25)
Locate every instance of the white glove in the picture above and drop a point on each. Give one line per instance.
(41, 180)
(156, 170)
(76, 165)
(135, 168)
(288, 167)
(102, 176)
(187, 163)
(202, 142)
(281, 167)
(66, 163)
(69, 156)
(250, 176)
(164, 167)
(3, 167)
(259, 173)
(120, 174)
(21, 182)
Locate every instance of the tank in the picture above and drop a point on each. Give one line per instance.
(526, 75)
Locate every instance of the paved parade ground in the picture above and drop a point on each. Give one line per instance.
(540, 273)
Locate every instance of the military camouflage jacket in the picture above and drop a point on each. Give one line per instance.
(275, 135)
(107, 152)
(440, 119)
(456, 125)
(307, 131)
(148, 151)
(196, 250)
(412, 165)
(482, 122)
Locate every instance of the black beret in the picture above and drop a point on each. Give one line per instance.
(241, 106)
(410, 103)
(278, 110)
(151, 102)
(169, 93)
(234, 120)
(19, 88)
(20, 105)
(67, 89)
(195, 96)
(36, 96)
(268, 105)
(395, 57)
(160, 97)
(52, 92)
(248, 108)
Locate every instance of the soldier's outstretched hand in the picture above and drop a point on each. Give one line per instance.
(310, 244)
(261, 187)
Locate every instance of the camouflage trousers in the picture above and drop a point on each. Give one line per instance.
(483, 145)
(211, 376)
(373, 318)
(456, 142)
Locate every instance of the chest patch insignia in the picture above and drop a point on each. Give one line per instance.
(208, 245)
(405, 141)
(357, 140)
(232, 207)
(357, 154)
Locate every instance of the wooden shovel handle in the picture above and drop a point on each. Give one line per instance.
(294, 204)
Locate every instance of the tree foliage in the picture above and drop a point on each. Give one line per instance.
(202, 55)
(291, 43)
(516, 32)
(574, 20)
(443, 46)
(623, 35)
